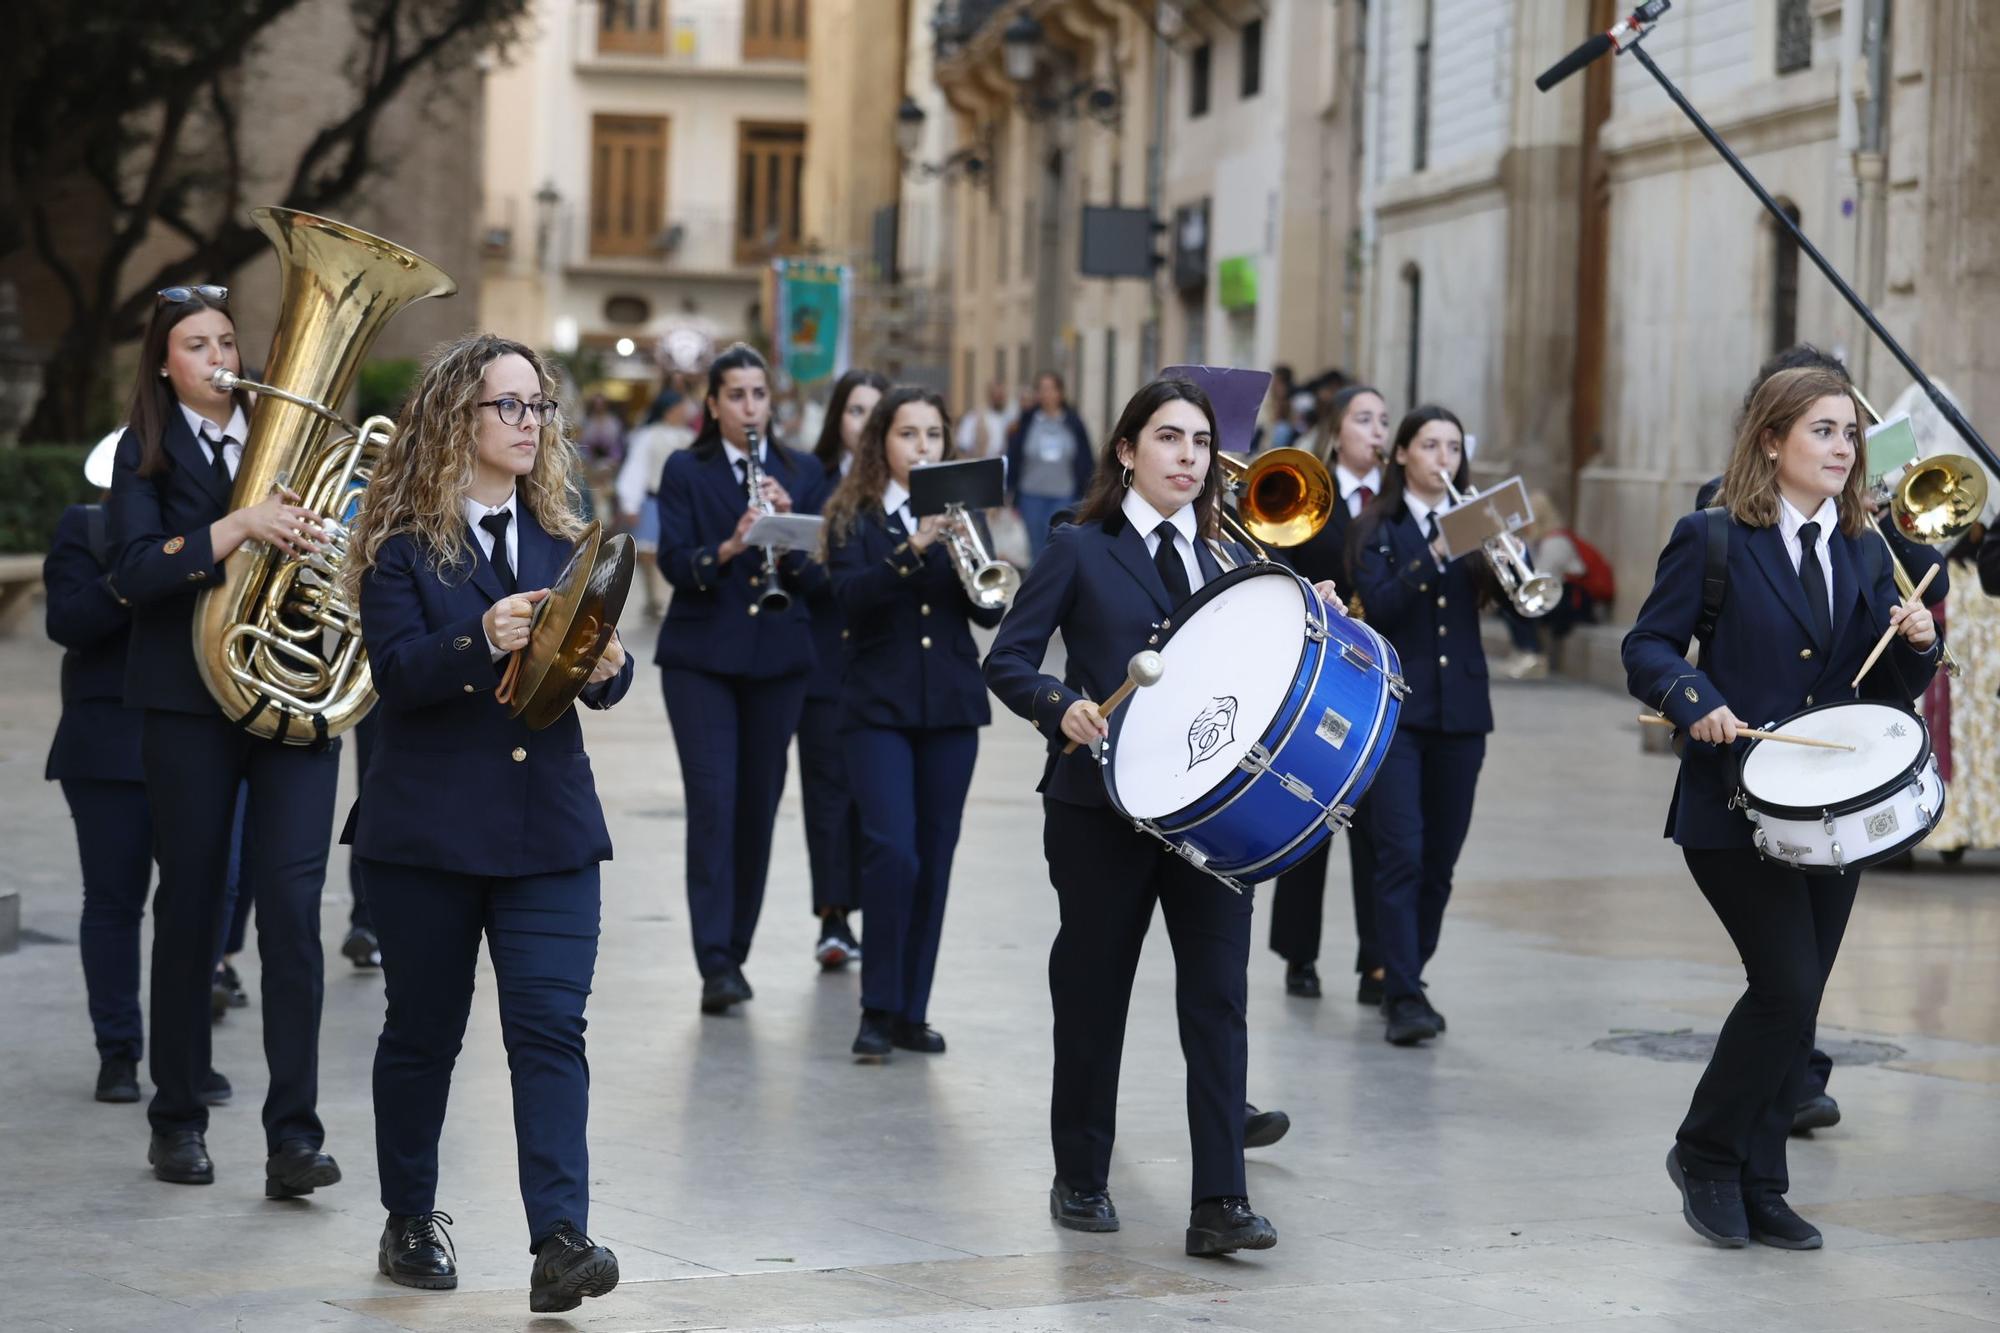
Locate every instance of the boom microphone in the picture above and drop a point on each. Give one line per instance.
(1625, 31)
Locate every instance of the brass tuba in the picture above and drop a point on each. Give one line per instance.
(278, 644)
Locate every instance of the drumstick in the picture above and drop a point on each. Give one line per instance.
(1655, 720)
(1915, 598)
(1145, 668)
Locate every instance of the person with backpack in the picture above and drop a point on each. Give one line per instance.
(1588, 584)
(1807, 593)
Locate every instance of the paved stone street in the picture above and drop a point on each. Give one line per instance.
(750, 1176)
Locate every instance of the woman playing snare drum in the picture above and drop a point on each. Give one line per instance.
(1808, 593)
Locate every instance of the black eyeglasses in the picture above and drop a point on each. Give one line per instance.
(176, 295)
(513, 411)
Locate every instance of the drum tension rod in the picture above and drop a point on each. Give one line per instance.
(1258, 761)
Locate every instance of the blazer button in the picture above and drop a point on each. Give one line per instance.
(924, 610)
(1166, 622)
(470, 690)
(462, 642)
(1443, 630)
(1809, 702)
(196, 577)
(519, 754)
(1443, 660)
(1805, 654)
(1440, 603)
(926, 640)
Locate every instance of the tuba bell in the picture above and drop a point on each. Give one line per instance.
(1283, 496)
(278, 645)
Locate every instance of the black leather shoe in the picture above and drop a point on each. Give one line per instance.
(1369, 991)
(1082, 1210)
(417, 1252)
(118, 1081)
(722, 990)
(1818, 1111)
(876, 1036)
(1219, 1226)
(1408, 1020)
(1302, 980)
(919, 1037)
(1432, 1009)
(361, 948)
(180, 1157)
(298, 1168)
(1714, 1208)
(1772, 1222)
(743, 984)
(1261, 1129)
(568, 1267)
(215, 1089)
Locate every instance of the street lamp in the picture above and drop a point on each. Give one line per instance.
(1023, 48)
(910, 137)
(546, 200)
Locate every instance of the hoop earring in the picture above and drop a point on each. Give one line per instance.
(1127, 479)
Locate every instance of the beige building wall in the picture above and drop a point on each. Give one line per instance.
(853, 86)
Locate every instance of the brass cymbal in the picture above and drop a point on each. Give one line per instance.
(571, 629)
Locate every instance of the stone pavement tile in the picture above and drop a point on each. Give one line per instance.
(1860, 1316)
(1348, 1305)
(737, 1301)
(1296, 1260)
(1916, 1217)
(1502, 1247)
(1982, 1303)
(813, 1239)
(1010, 1281)
(1111, 1316)
(1557, 1295)
(1818, 1276)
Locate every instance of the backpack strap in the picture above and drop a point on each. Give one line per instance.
(1715, 572)
(96, 533)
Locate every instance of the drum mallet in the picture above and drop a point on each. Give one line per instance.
(1655, 720)
(1916, 598)
(1145, 668)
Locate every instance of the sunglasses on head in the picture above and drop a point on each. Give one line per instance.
(207, 291)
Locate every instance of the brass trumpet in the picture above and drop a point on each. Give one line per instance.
(989, 581)
(1533, 592)
(1283, 497)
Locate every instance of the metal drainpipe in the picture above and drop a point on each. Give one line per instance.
(1871, 168)
(1155, 193)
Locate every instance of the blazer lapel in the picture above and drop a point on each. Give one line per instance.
(1848, 586)
(725, 483)
(1767, 548)
(1204, 558)
(1129, 549)
(190, 457)
(538, 552)
(484, 576)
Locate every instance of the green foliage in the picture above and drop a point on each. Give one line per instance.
(383, 387)
(38, 482)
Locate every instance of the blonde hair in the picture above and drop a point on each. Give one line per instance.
(420, 481)
(1750, 484)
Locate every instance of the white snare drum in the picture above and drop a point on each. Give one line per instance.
(1825, 811)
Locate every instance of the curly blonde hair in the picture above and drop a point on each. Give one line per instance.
(420, 481)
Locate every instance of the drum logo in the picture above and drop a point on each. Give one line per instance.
(1881, 824)
(1215, 728)
(1333, 728)
(1896, 731)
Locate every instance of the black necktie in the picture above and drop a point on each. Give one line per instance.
(1431, 528)
(743, 474)
(1814, 579)
(496, 523)
(1172, 572)
(222, 464)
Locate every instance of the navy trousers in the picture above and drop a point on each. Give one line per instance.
(194, 765)
(1787, 928)
(364, 745)
(833, 819)
(1298, 901)
(114, 843)
(541, 934)
(236, 901)
(911, 786)
(732, 735)
(1419, 809)
(1107, 877)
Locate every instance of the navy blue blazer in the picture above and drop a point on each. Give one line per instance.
(709, 625)
(911, 659)
(1915, 557)
(1431, 615)
(162, 559)
(454, 783)
(1762, 661)
(829, 627)
(1095, 583)
(1082, 462)
(97, 737)
(1324, 554)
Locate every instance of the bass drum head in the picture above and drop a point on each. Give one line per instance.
(1801, 781)
(1230, 662)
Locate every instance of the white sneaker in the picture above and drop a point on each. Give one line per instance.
(1527, 666)
(837, 947)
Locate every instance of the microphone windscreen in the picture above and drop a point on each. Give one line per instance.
(1574, 61)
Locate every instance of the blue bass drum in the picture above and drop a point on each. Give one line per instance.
(1265, 728)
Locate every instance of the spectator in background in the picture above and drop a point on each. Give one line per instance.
(982, 432)
(1587, 585)
(1049, 463)
(601, 445)
(1274, 426)
(668, 426)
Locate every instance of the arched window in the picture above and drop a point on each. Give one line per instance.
(1413, 332)
(1784, 281)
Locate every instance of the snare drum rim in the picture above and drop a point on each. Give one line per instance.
(1852, 803)
(1916, 839)
(1229, 785)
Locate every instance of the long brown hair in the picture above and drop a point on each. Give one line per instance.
(1326, 438)
(420, 483)
(1107, 488)
(1389, 501)
(1750, 483)
(869, 477)
(154, 401)
(831, 445)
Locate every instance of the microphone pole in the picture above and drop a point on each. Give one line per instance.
(1625, 37)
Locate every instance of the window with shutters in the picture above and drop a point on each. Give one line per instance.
(632, 27)
(628, 184)
(1785, 281)
(770, 166)
(774, 29)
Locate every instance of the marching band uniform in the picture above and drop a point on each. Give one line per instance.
(911, 706)
(832, 816)
(1770, 656)
(194, 759)
(469, 823)
(1101, 585)
(1420, 805)
(1298, 899)
(734, 679)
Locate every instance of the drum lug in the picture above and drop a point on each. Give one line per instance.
(1839, 861)
(1340, 818)
(1741, 801)
(1399, 687)
(1257, 760)
(1188, 852)
(1316, 631)
(1826, 822)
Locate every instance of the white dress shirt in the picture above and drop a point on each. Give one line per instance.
(474, 511)
(735, 456)
(896, 504)
(1423, 513)
(1146, 520)
(232, 437)
(1350, 486)
(1791, 520)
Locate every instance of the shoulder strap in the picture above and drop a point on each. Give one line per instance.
(1714, 573)
(97, 534)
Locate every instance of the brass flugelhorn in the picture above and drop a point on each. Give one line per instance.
(1533, 592)
(990, 582)
(278, 644)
